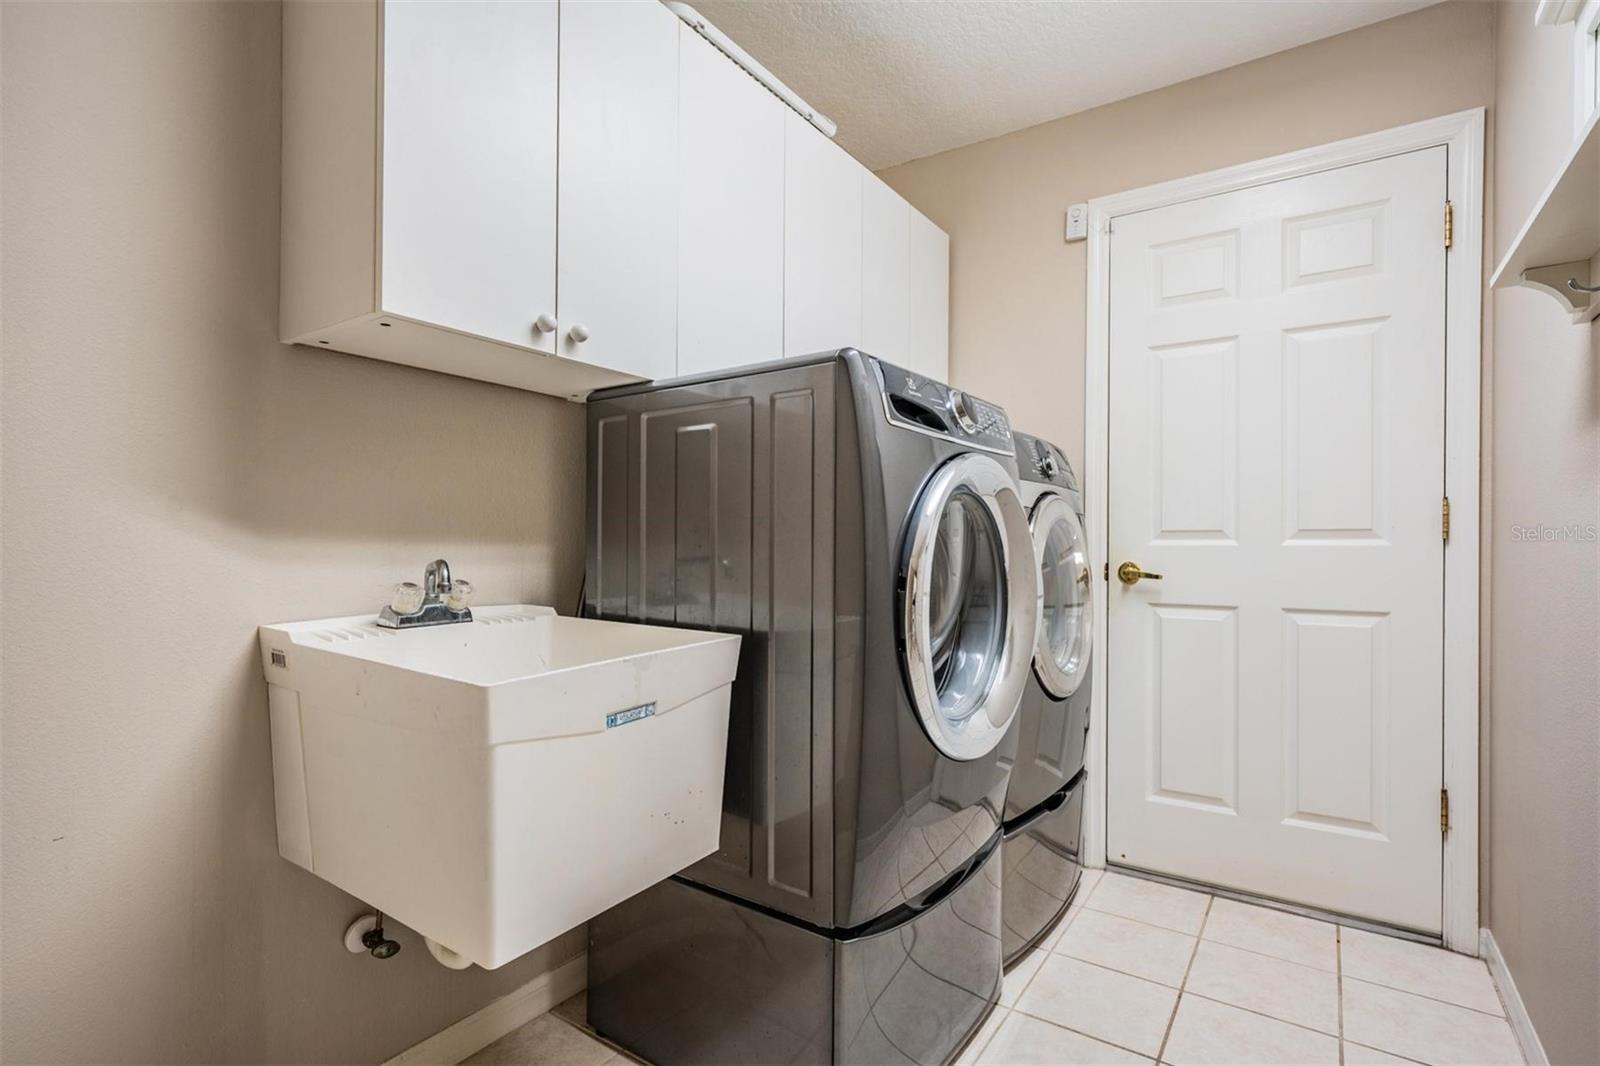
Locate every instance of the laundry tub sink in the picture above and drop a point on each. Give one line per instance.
(494, 783)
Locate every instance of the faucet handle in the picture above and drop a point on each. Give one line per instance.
(459, 598)
(407, 598)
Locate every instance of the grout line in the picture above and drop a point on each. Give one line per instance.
(1261, 1014)
(1381, 1051)
(1276, 958)
(1430, 999)
(1141, 921)
(1338, 969)
(1166, 1034)
(1080, 1032)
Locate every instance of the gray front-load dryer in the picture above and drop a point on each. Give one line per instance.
(862, 528)
(1044, 799)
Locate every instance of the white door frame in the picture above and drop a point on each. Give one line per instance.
(1462, 134)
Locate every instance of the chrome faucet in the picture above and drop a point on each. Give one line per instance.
(438, 601)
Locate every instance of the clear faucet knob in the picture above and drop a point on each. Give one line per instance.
(460, 595)
(407, 598)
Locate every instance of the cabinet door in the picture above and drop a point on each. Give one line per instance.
(730, 221)
(929, 326)
(821, 242)
(469, 166)
(885, 271)
(618, 210)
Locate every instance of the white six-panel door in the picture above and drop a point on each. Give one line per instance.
(1276, 441)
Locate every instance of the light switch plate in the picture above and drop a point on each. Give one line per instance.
(1077, 222)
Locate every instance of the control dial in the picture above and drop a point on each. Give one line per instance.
(961, 408)
(1047, 466)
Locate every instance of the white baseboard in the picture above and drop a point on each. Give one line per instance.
(507, 1014)
(1516, 1010)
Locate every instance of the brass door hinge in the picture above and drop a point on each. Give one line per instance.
(1105, 572)
(1444, 810)
(1444, 520)
(1449, 223)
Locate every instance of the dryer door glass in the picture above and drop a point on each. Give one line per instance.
(969, 605)
(1065, 586)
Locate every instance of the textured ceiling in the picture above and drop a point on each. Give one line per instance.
(907, 79)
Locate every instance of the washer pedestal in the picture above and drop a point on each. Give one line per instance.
(678, 974)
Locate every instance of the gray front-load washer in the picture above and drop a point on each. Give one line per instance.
(862, 527)
(1044, 799)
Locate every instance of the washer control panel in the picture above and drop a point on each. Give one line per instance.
(920, 403)
(1042, 462)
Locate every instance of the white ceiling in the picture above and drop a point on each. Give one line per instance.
(907, 79)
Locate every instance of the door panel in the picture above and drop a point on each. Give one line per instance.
(929, 328)
(730, 226)
(469, 208)
(618, 209)
(1276, 442)
(885, 272)
(821, 242)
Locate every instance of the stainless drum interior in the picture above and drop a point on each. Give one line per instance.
(1066, 602)
(969, 608)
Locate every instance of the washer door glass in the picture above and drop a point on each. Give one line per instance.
(1061, 658)
(966, 611)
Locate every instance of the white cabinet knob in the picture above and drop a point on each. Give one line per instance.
(579, 333)
(545, 323)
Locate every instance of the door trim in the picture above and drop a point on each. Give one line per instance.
(1462, 134)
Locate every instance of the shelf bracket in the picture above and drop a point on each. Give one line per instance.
(1553, 279)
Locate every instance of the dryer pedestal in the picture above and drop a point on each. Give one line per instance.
(680, 974)
(1042, 870)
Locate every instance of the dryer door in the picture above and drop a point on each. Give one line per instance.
(1061, 659)
(969, 605)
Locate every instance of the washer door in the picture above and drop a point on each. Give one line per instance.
(1061, 659)
(969, 605)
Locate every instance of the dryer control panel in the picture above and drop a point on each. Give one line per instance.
(1042, 462)
(930, 406)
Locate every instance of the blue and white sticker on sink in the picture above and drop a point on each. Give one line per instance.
(632, 714)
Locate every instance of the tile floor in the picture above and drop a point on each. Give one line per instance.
(1140, 972)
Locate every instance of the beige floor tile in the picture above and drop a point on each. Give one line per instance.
(1206, 1033)
(1360, 1055)
(1283, 990)
(1270, 932)
(545, 1041)
(1425, 1029)
(1024, 1040)
(1019, 975)
(1411, 967)
(981, 1038)
(1135, 948)
(1150, 902)
(1127, 1011)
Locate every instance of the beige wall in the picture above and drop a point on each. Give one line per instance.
(1543, 814)
(172, 477)
(1017, 291)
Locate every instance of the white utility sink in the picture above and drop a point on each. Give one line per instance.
(494, 783)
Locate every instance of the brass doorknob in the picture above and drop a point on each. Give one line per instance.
(1129, 574)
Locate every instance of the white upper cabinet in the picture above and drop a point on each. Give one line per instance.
(617, 275)
(730, 212)
(929, 298)
(821, 242)
(885, 272)
(469, 167)
(565, 195)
